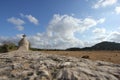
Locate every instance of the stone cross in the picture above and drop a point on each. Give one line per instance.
(23, 44)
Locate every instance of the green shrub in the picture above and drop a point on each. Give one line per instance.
(8, 46)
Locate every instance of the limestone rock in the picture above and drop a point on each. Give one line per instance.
(33, 65)
(24, 44)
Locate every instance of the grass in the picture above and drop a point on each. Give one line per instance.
(109, 56)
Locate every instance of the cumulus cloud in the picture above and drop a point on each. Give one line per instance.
(104, 3)
(17, 22)
(99, 34)
(117, 10)
(67, 23)
(113, 36)
(102, 20)
(99, 31)
(103, 35)
(42, 40)
(61, 31)
(4, 39)
(31, 18)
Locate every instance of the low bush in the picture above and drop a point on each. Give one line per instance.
(8, 46)
(86, 57)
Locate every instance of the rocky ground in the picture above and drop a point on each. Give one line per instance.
(29, 65)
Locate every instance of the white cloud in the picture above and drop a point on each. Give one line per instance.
(4, 39)
(87, 23)
(31, 18)
(113, 36)
(17, 22)
(99, 31)
(19, 36)
(20, 28)
(104, 3)
(42, 40)
(102, 20)
(117, 10)
(99, 34)
(65, 26)
(61, 32)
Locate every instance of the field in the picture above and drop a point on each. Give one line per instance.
(109, 56)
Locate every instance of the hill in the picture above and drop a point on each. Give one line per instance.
(100, 46)
(106, 46)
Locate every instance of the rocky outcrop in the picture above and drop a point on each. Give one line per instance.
(23, 44)
(28, 65)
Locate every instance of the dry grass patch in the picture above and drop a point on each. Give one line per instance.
(109, 56)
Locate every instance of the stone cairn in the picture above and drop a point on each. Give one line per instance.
(23, 44)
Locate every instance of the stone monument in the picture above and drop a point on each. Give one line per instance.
(23, 44)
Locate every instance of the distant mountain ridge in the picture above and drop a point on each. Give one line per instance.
(100, 46)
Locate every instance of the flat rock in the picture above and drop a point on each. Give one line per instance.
(33, 65)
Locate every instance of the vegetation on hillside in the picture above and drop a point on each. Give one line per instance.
(8, 46)
(100, 46)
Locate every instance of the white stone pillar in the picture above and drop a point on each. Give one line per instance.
(24, 44)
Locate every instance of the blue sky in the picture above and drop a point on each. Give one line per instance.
(60, 23)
